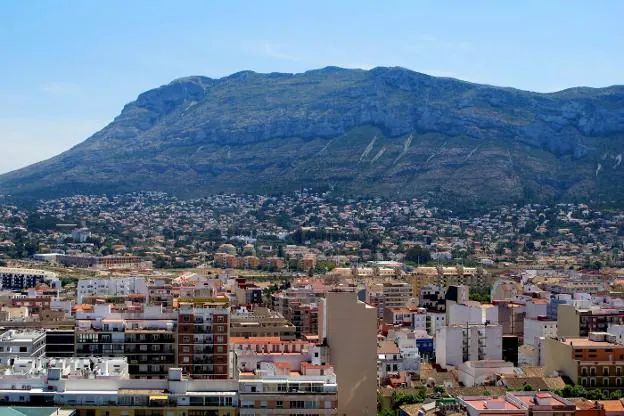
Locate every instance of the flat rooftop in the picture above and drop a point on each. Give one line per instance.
(493, 403)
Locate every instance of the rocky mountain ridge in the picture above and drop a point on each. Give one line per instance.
(387, 131)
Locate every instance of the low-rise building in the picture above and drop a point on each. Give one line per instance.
(593, 362)
(20, 343)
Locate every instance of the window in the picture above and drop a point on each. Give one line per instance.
(605, 382)
(23, 349)
(605, 371)
(584, 371)
(279, 404)
(592, 371)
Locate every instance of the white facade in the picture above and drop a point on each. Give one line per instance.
(111, 287)
(535, 309)
(460, 343)
(471, 313)
(538, 328)
(16, 343)
(478, 373)
(435, 321)
(618, 331)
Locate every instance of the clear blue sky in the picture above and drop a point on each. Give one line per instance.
(68, 67)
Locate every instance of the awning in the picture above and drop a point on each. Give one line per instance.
(159, 397)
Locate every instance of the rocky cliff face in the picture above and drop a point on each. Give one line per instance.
(385, 131)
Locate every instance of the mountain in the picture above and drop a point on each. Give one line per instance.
(387, 131)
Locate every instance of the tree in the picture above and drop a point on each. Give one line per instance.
(419, 255)
(594, 394)
(616, 395)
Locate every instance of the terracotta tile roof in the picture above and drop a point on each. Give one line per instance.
(612, 405)
(388, 347)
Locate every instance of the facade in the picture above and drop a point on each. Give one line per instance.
(455, 276)
(261, 322)
(460, 343)
(478, 373)
(435, 321)
(147, 339)
(575, 322)
(414, 318)
(19, 343)
(279, 377)
(203, 338)
(60, 343)
(120, 287)
(103, 388)
(351, 336)
(594, 362)
(16, 278)
(540, 327)
(388, 295)
(160, 292)
(511, 317)
(299, 305)
(470, 313)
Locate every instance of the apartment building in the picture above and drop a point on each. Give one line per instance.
(102, 387)
(511, 317)
(300, 306)
(457, 344)
(148, 339)
(471, 313)
(160, 292)
(435, 321)
(35, 302)
(119, 262)
(415, 318)
(577, 322)
(388, 295)
(454, 276)
(540, 327)
(19, 343)
(261, 322)
(278, 377)
(349, 328)
(120, 287)
(203, 337)
(431, 297)
(594, 362)
(16, 278)
(60, 343)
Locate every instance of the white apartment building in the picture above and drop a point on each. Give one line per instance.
(536, 328)
(269, 370)
(111, 287)
(21, 343)
(457, 344)
(617, 331)
(435, 321)
(97, 386)
(471, 313)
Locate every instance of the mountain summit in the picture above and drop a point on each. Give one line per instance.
(387, 131)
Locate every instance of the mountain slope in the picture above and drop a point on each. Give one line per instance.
(387, 131)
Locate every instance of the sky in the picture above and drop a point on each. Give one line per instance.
(67, 68)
